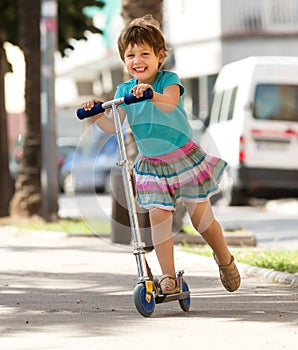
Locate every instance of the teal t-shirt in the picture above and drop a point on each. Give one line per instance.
(156, 132)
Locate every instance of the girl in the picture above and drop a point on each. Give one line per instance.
(170, 166)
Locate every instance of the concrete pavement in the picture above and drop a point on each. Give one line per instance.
(60, 292)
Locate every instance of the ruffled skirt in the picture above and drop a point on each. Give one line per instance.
(186, 175)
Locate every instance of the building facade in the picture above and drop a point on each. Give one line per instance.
(203, 36)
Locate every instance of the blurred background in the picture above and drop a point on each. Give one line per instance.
(203, 37)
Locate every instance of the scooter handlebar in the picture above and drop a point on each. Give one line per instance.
(83, 114)
(130, 98)
(127, 99)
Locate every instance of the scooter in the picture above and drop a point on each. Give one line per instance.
(147, 292)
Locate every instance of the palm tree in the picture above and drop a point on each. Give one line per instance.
(27, 198)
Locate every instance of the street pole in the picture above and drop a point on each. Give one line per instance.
(49, 169)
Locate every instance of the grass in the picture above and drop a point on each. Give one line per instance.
(62, 225)
(279, 260)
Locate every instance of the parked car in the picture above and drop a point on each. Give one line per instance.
(15, 157)
(88, 167)
(65, 146)
(254, 127)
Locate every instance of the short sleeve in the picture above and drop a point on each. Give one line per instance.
(171, 78)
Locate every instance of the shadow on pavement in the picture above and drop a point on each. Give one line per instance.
(100, 303)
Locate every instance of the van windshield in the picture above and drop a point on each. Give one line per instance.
(276, 102)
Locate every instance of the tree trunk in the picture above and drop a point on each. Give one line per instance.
(27, 198)
(6, 186)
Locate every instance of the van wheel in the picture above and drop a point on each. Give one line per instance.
(238, 198)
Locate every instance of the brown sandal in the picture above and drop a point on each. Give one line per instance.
(168, 284)
(229, 275)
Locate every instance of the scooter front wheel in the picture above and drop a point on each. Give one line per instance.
(185, 303)
(144, 305)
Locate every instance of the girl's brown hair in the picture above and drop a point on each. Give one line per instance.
(143, 30)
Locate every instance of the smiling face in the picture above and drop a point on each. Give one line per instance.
(142, 63)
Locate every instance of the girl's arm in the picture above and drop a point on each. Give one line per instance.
(166, 102)
(105, 120)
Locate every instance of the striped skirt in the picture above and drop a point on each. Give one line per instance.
(186, 175)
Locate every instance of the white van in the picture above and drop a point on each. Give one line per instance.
(254, 127)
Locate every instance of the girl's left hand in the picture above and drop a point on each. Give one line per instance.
(139, 89)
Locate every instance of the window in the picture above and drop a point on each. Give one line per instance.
(223, 105)
(276, 102)
(232, 103)
(216, 107)
(227, 106)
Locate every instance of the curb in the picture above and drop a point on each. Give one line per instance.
(232, 239)
(269, 274)
(235, 239)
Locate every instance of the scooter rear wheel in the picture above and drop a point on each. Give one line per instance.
(144, 306)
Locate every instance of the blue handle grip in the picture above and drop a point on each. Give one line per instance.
(127, 99)
(82, 114)
(130, 98)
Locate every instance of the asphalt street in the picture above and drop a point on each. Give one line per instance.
(60, 292)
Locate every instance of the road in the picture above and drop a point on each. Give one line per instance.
(275, 224)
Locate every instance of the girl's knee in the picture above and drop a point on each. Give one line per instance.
(211, 228)
(202, 216)
(158, 216)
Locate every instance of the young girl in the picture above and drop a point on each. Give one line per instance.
(170, 166)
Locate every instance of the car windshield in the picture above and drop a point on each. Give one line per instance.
(276, 102)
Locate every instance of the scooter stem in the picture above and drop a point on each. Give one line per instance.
(139, 251)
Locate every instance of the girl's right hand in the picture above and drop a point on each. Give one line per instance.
(89, 104)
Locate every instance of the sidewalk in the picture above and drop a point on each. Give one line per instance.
(60, 292)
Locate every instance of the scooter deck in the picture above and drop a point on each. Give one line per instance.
(170, 297)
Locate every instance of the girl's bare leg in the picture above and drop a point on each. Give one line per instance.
(204, 222)
(161, 226)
